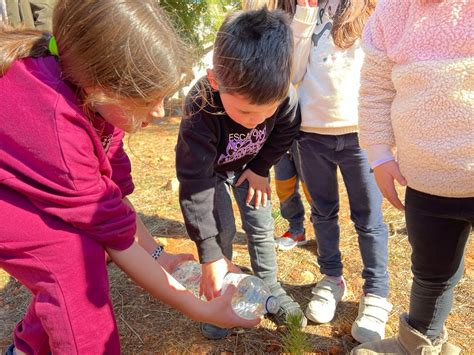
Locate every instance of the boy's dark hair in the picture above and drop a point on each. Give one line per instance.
(253, 55)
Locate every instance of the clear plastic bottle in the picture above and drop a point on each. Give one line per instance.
(251, 299)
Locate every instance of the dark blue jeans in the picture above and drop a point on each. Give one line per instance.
(320, 156)
(438, 229)
(257, 224)
(287, 178)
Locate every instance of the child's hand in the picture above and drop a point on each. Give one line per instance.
(213, 274)
(259, 187)
(307, 3)
(222, 314)
(170, 261)
(385, 174)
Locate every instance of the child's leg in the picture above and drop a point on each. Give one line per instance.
(365, 202)
(258, 225)
(286, 183)
(295, 157)
(71, 312)
(317, 158)
(225, 217)
(438, 229)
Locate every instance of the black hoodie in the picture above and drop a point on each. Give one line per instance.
(210, 142)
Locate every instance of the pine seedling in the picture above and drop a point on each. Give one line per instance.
(295, 340)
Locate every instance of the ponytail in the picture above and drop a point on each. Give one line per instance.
(18, 43)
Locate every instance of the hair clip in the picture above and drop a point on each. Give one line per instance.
(53, 46)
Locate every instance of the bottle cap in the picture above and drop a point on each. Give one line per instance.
(272, 305)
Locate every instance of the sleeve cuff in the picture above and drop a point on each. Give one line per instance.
(208, 250)
(379, 154)
(304, 21)
(259, 169)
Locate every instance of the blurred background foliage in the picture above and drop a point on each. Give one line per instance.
(198, 20)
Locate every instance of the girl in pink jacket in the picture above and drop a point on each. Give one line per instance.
(64, 175)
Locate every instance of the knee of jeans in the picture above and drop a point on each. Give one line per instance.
(377, 229)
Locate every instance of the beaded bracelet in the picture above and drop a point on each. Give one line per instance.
(157, 252)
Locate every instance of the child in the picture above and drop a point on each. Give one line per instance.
(64, 174)
(238, 121)
(328, 58)
(417, 95)
(287, 179)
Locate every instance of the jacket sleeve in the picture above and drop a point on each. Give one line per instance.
(287, 126)
(120, 163)
(195, 156)
(376, 95)
(69, 177)
(303, 25)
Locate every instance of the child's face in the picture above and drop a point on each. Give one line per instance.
(241, 111)
(239, 108)
(130, 117)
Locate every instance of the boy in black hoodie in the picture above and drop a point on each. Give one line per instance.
(239, 121)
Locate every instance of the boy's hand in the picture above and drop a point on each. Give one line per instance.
(170, 261)
(220, 312)
(385, 174)
(307, 3)
(213, 274)
(259, 187)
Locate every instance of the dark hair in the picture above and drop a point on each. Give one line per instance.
(253, 55)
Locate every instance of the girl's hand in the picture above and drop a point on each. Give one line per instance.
(212, 277)
(307, 3)
(259, 187)
(220, 312)
(385, 174)
(170, 261)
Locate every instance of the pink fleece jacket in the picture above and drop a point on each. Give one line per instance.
(417, 92)
(65, 165)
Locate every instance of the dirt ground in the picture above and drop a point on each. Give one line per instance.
(147, 326)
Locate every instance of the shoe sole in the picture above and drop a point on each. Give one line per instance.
(298, 244)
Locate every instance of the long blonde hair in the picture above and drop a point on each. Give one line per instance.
(349, 20)
(126, 48)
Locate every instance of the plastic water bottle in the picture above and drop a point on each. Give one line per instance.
(251, 299)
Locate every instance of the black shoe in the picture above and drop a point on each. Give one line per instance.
(213, 332)
(288, 307)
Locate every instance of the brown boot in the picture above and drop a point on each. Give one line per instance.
(408, 342)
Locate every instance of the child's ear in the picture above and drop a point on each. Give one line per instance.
(212, 79)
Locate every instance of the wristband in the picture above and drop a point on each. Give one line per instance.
(157, 252)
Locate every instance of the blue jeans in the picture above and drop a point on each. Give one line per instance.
(320, 156)
(438, 229)
(257, 224)
(287, 178)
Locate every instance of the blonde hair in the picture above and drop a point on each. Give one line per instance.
(127, 48)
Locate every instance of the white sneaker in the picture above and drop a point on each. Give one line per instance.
(371, 320)
(326, 295)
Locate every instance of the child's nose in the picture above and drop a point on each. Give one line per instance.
(158, 110)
